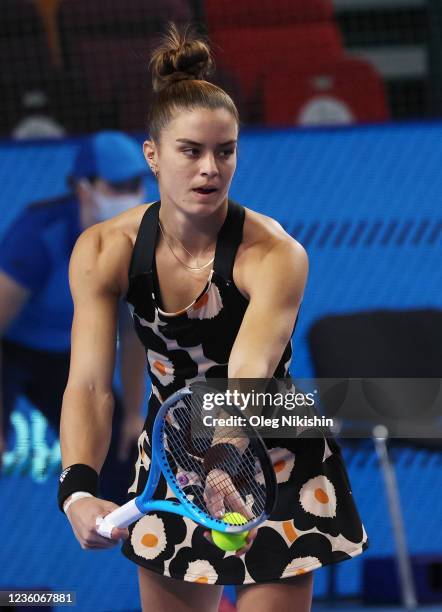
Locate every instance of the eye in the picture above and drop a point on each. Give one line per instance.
(226, 152)
(191, 151)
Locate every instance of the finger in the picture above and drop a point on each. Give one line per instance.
(237, 504)
(115, 536)
(252, 535)
(108, 508)
(215, 504)
(242, 551)
(104, 542)
(96, 541)
(249, 541)
(208, 537)
(100, 545)
(119, 534)
(115, 533)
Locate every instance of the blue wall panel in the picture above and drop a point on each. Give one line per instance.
(366, 204)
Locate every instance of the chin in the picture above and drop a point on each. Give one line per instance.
(203, 207)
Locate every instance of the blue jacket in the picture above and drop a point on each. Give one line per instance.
(35, 252)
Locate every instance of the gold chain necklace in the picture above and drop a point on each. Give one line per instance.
(180, 260)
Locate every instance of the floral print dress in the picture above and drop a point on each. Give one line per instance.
(315, 521)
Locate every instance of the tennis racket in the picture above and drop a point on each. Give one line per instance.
(201, 464)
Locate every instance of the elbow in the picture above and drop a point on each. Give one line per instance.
(88, 395)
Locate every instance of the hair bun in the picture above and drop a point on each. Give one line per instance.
(181, 56)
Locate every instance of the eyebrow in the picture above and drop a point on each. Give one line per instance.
(199, 144)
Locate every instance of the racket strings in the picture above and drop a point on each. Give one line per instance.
(187, 439)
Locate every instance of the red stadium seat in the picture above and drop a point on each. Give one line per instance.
(228, 14)
(337, 91)
(252, 54)
(253, 39)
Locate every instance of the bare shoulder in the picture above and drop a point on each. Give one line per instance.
(102, 254)
(263, 235)
(269, 256)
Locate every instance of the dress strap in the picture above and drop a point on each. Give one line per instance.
(144, 248)
(140, 291)
(229, 239)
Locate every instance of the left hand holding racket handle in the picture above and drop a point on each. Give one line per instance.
(118, 519)
(82, 515)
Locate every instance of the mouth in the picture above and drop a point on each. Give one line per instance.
(205, 190)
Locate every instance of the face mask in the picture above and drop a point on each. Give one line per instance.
(107, 207)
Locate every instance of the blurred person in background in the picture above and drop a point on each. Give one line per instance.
(36, 307)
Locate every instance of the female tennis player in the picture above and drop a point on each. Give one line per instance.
(214, 290)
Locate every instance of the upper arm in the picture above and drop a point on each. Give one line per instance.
(94, 279)
(12, 298)
(275, 285)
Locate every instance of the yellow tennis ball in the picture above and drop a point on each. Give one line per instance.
(234, 518)
(231, 541)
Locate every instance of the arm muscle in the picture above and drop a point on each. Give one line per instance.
(275, 285)
(88, 401)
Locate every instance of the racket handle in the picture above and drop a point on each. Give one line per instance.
(120, 518)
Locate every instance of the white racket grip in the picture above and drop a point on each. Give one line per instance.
(120, 518)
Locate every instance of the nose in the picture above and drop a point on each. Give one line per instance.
(208, 166)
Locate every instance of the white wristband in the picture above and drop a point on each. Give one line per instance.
(74, 497)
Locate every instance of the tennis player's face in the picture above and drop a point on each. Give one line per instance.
(196, 159)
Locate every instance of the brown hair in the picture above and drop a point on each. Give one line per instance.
(179, 67)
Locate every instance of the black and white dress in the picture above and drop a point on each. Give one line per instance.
(315, 521)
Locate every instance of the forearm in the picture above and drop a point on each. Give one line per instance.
(86, 427)
(243, 383)
(254, 360)
(246, 380)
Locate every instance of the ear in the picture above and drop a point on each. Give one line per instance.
(151, 155)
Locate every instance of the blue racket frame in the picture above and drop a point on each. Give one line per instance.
(160, 465)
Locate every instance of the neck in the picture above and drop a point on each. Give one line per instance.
(194, 233)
